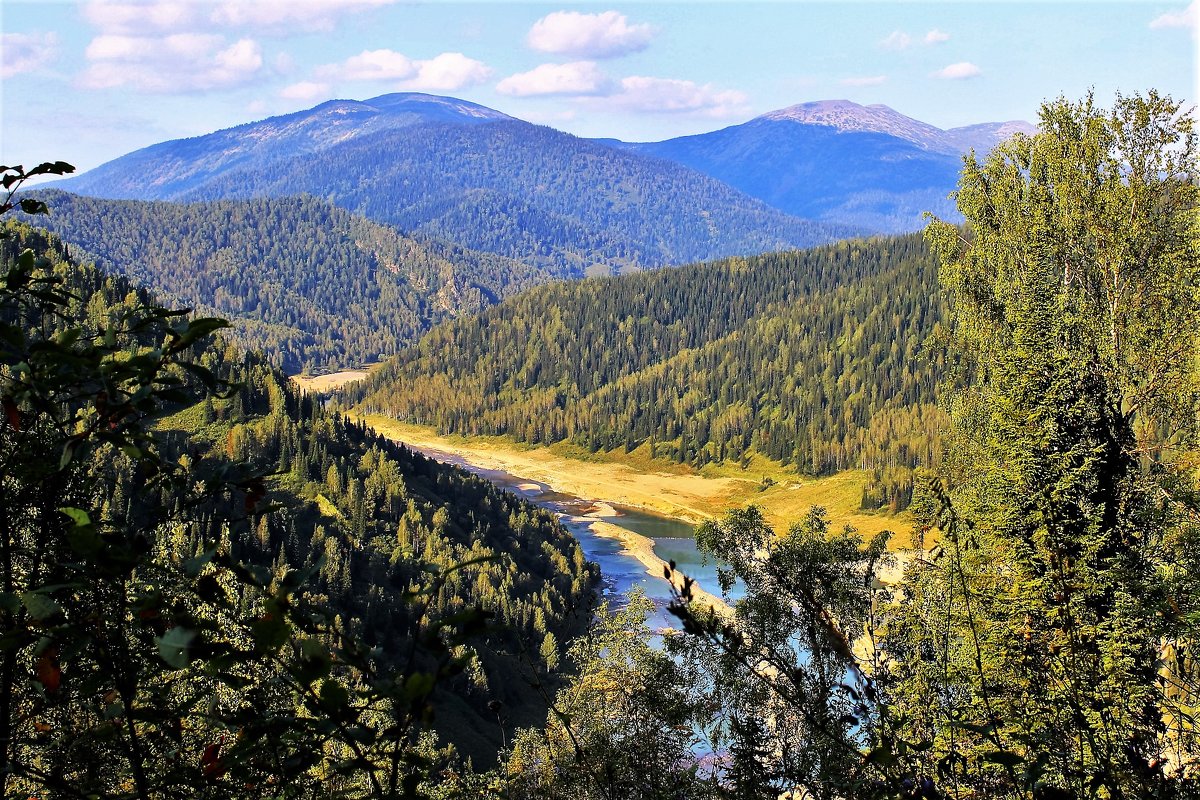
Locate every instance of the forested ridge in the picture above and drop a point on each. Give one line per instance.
(532, 193)
(817, 359)
(305, 282)
(397, 551)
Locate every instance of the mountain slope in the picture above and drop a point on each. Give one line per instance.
(167, 170)
(306, 282)
(366, 522)
(868, 166)
(582, 204)
(812, 358)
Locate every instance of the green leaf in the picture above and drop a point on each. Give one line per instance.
(173, 646)
(269, 634)
(315, 661)
(40, 606)
(334, 696)
(77, 515)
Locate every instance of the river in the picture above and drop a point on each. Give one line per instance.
(624, 562)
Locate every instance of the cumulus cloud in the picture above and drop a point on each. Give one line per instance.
(900, 40)
(867, 80)
(149, 16)
(371, 65)
(958, 71)
(1184, 18)
(179, 62)
(672, 96)
(279, 14)
(603, 35)
(577, 78)
(172, 16)
(309, 91)
(446, 72)
(26, 52)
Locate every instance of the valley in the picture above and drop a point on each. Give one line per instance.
(658, 485)
(665, 435)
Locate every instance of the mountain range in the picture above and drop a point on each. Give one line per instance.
(492, 182)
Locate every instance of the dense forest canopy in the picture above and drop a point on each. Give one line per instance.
(814, 358)
(306, 283)
(260, 592)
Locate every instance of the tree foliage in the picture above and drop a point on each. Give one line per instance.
(220, 588)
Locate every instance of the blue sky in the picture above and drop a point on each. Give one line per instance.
(88, 81)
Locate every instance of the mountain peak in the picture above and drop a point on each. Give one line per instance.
(850, 117)
(433, 105)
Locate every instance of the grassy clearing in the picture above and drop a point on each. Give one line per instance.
(636, 479)
(324, 384)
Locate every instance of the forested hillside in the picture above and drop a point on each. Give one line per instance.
(280, 563)
(307, 283)
(814, 358)
(552, 200)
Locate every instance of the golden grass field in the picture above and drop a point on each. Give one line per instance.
(321, 384)
(635, 479)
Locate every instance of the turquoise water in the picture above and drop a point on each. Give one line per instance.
(674, 540)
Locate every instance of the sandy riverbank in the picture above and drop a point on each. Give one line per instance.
(640, 548)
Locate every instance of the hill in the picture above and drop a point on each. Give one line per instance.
(309, 284)
(814, 358)
(352, 526)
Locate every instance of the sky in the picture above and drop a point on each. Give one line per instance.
(88, 81)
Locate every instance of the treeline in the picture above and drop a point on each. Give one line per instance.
(532, 193)
(395, 545)
(305, 282)
(817, 359)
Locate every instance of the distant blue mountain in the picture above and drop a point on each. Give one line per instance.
(865, 166)
(170, 170)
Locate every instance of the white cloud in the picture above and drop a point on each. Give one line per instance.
(170, 16)
(936, 36)
(868, 80)
(281, 14)
(308, 91)
(446, 72)
(26, 52)
(180, 62)
(588, 35)
(896, 40)
(672, 96)
(150, 16)
(577, 78)
(959, 71)
(371, 65)
(1184, 18)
